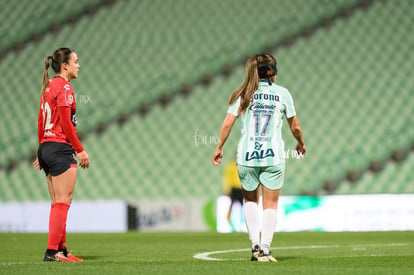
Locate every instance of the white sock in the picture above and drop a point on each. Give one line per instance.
(268, 228)
(251, 217)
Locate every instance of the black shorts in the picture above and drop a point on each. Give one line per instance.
(55, 158)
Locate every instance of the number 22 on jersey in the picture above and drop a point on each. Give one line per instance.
(47, 114)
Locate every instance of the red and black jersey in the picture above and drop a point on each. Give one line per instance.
(57, 115)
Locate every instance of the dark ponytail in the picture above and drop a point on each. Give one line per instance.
(45, 77)
(266, 66)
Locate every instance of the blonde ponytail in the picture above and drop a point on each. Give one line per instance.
(250, 85)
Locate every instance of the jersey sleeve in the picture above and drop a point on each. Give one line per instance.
(234, 108)
(289, 106)
(65, 96)
(69, 129)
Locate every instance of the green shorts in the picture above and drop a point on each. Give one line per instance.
(270, 176)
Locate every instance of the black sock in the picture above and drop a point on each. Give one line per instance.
(50, 252)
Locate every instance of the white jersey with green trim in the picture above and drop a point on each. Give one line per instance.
(261, 142)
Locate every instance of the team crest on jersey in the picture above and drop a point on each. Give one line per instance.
(70, 99)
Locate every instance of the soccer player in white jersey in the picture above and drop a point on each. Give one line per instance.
(261, 104)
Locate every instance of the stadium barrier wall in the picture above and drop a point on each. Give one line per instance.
(383, 212)
(335, 213)
(83, 216)
(173, 215)
(107, 216)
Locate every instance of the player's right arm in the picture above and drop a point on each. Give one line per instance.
(224, 134)
(232, 114)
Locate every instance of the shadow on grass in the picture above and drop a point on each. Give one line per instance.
(287, 258)
(89, 257)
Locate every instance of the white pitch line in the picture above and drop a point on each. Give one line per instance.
(362, 255)
(206, 255)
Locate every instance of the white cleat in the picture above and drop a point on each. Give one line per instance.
(266, 258)
(255, 253)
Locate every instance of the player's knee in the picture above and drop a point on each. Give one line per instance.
(270, 204)
(69, 198)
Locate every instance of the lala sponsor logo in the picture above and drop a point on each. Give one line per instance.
(259, 153)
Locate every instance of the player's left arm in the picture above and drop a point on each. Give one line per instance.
(40, 126)
(40, 132)
(296, 130)
(294, 124)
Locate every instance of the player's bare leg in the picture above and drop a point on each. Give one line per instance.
(61, 189)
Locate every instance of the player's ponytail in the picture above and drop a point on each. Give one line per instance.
(261, 66)
(250, 84)
(45, 77)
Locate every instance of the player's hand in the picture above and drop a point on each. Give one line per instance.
(36, 164)
(301, 149)
(83, 159)
(218, 155)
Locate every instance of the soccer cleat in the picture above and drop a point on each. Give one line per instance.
(70, 256)
(74, 258)
(62, 258)
(255, 252)
(55, 256)
(266, 257)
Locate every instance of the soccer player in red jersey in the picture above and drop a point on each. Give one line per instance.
(58, 141)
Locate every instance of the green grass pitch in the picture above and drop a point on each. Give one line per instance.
(213, 253)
